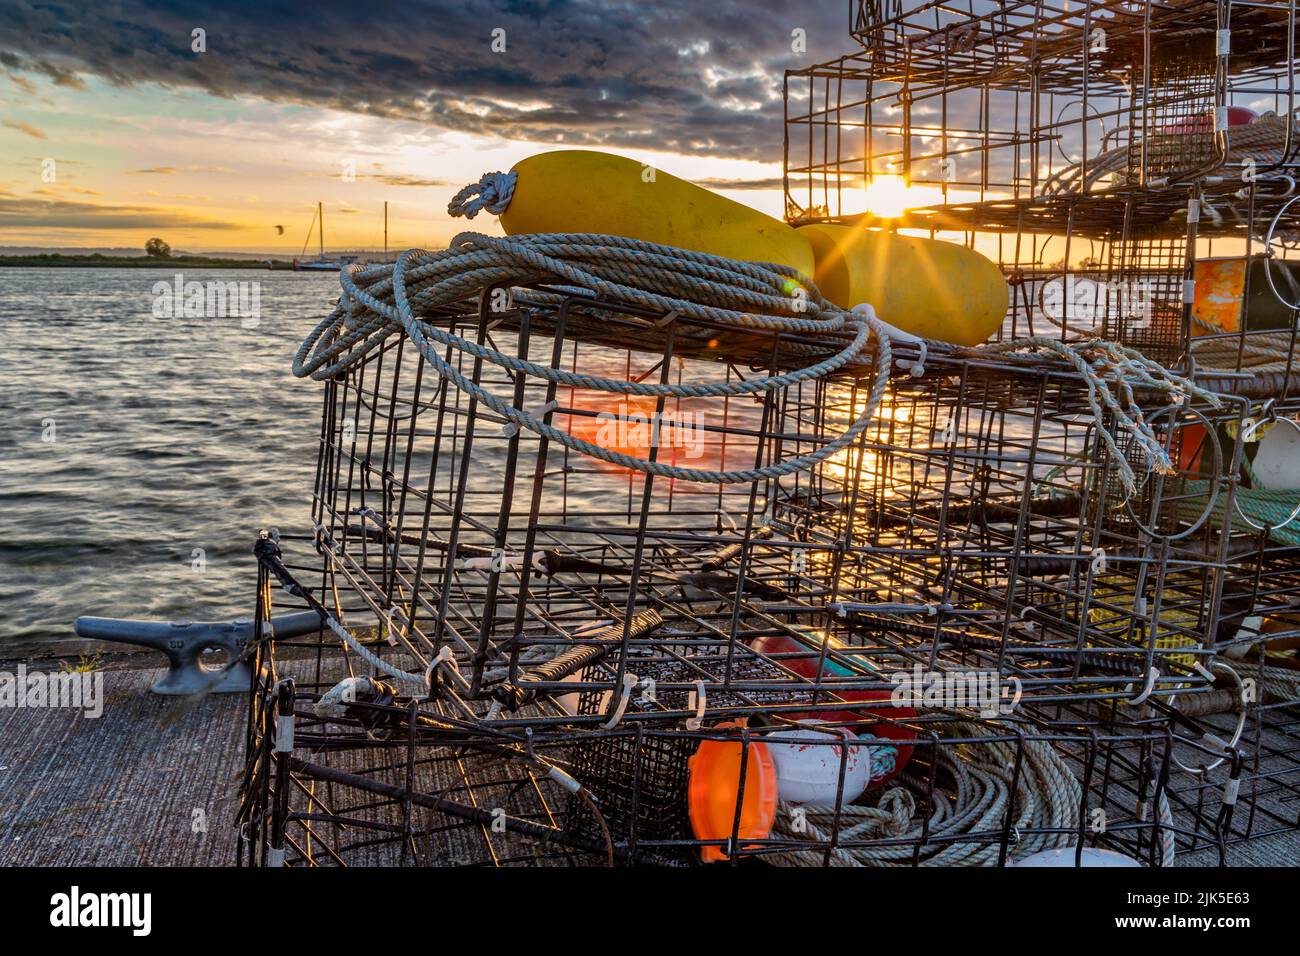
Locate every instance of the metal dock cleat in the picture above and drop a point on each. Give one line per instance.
(185, 642)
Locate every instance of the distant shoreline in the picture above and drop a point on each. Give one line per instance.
(142, 262)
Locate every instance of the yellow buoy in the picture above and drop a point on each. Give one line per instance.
(588, 191)
(934, 289)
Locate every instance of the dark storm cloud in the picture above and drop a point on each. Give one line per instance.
(699, 76)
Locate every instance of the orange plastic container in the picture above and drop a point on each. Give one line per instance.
(711, 793)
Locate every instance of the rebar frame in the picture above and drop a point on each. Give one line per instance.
(537, 643)
(1098, 144)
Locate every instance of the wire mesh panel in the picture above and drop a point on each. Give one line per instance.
(992, 525)
(627, 557)
(372, 780)
(477, 542)
(1093, 149)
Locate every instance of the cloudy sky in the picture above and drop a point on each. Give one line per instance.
(114, 127)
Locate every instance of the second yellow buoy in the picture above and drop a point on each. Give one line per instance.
(938, 290)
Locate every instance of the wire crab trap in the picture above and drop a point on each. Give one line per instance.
(995, 523)
(364, 778)
(563, 471)
(1252, 789)
(1093, 149)
(1071, 98)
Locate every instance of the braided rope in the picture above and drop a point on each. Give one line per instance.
(1047, 796)
(1282, 683)
(379, 301)
(1129, 367)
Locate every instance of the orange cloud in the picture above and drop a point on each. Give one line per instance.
(26, 128)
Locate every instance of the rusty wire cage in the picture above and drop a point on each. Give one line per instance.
(1095, 150)
(989, 528)
(986, 517)
(381, 781)
(533, 639)
(494, 548)
(572, 624)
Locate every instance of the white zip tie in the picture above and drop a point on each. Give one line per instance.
(510, 429)
(1222, 42)
(1189, 291)
(494, 562)
(696, 722)
(915, 369)
(275, 857)
(284, 734)
(445, 656)
(1098, 561)
(630, 680)
(1230, 790)
(1193, 210)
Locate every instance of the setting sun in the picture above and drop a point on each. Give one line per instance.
(889, 196)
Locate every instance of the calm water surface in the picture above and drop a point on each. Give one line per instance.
(170, 437)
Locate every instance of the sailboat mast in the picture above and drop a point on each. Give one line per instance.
(385, 230)
(320, 217)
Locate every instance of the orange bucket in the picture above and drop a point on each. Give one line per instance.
(711, 793)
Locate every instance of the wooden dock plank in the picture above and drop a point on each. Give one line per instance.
(148, 782)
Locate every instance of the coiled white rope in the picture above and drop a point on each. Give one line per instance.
(1047, 797)
(379, 301)
(753, 296)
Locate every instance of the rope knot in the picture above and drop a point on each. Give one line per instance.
(898, 807)
(492, 192)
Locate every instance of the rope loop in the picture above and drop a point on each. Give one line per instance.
(492, 192)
